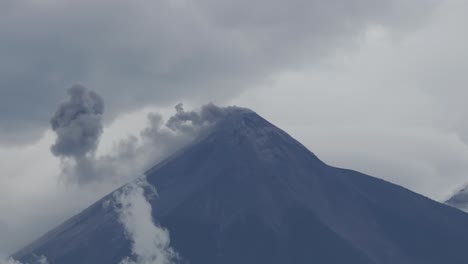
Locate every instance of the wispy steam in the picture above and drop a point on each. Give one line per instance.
(39, 260)
(150, 242)
(10, 261)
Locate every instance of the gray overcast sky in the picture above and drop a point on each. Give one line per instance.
(374, 85)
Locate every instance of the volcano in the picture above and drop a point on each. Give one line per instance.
(248, 193)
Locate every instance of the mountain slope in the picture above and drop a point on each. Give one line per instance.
(249, 193)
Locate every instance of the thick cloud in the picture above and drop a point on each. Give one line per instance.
(157, 52)
(150, 242)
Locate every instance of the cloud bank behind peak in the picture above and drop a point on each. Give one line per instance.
(157, 52)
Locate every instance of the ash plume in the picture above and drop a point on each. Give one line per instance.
(78, 123)
(158, 140)
(193, 121)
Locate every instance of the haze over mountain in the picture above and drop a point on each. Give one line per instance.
(459, 199)
(247, 192)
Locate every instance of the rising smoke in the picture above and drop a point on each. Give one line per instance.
(193, 122)
(150, 242)
(158, 140)
(78, 124)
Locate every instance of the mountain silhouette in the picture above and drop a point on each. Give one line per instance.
(247, 192)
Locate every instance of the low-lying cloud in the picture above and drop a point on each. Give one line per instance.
(150, 243)
(193, 121)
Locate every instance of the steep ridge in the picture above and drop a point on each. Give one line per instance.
(246, 192)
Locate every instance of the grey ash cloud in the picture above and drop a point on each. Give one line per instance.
(150, 242)
(191, 121)
(78, 123)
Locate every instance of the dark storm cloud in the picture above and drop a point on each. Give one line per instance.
(146, 52)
